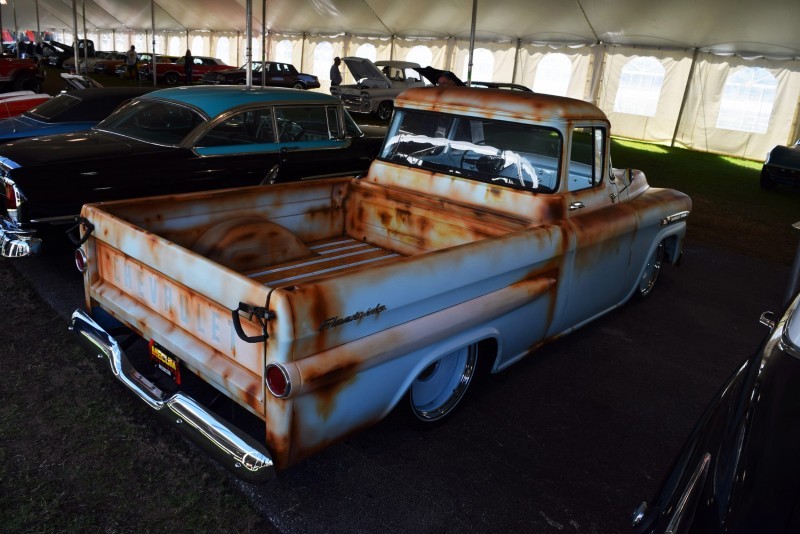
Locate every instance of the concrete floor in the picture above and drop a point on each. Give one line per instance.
(569, 440)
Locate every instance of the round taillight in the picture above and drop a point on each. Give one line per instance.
(278, 381)
(80, 260)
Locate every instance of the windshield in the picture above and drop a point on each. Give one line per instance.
(52, 108)
(513, 155)
(154, 121)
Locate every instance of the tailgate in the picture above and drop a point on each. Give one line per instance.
(171, 301)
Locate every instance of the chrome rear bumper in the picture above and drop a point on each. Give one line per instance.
(237, 451)
(16, 242)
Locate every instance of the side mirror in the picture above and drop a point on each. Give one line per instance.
(623, 175)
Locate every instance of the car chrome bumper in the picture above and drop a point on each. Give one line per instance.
(16, 242)
(227, 444)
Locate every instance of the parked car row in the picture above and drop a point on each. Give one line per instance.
(171, 141)
(269, 73)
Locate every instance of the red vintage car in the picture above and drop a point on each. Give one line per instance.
(18, 102)
(171, 73)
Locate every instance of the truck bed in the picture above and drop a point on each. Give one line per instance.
(333, 256)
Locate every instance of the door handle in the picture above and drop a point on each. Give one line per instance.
(576, 206)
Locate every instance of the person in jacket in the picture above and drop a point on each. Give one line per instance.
(188, 63)
(336, 76)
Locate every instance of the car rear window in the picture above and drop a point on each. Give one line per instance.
(154, 121)
(54, 107)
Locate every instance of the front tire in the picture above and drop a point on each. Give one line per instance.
(651, 271)
(384, 111)
(28, 83)
(765, 179)
(299, 85)
(171, 78)
(439, 388)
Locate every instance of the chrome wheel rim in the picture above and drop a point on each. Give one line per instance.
(651, 270)
(440, 386)
(385, 110)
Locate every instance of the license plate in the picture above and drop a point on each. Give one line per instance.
(165, 362)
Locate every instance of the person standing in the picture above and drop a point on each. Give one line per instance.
(188, 63)
(130, 62)
(336, 76)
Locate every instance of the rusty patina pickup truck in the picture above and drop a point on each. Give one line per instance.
(490, 223)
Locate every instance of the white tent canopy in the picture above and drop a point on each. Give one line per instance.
(718, 75)
(742, 26)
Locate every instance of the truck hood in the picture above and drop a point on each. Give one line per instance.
(66, 148)
(364, 69)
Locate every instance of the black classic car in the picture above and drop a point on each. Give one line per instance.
(782, 166)
(72, 111)
(269, 73)
(173, 141)
(740, 469)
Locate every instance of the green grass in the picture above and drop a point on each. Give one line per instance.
(729, 208)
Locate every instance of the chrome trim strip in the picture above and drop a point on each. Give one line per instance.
(230, 446)
(680, 510)
(675, 217)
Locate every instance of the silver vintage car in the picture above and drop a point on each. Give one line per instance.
(377, 85)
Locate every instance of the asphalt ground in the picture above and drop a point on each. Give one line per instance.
(570, 439)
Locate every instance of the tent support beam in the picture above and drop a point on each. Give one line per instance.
(472, 40)
(248, 49)
(516, 60)
(685, 97)
(153, 62)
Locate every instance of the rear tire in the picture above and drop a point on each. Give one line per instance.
(441, 386)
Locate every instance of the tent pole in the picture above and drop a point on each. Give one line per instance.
(685, 97)
(75, 30)
(303, 52)
(16, 29)
(472, 40)
(38, 27)
(85, 44)
(263, 40)
(248, 53)
(516, 60)
(153, 63)
(597, 71)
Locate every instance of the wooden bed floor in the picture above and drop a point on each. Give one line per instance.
(331, 256)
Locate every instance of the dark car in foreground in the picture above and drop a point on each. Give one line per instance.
(782, 166)
(73, 111)
(740, 469)
(269, 73)
(174, 141)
